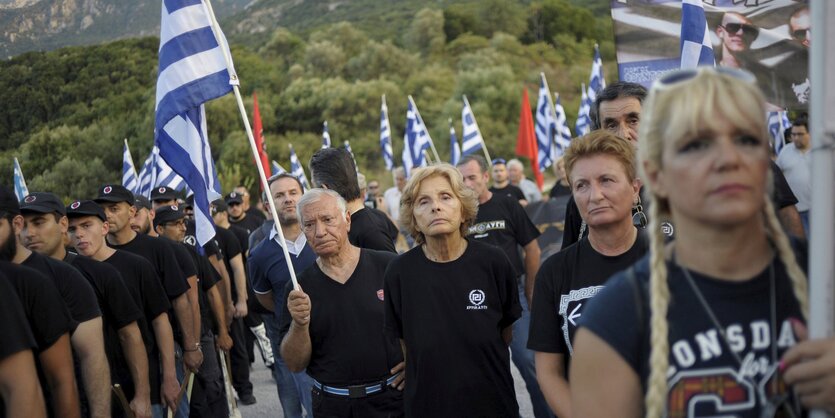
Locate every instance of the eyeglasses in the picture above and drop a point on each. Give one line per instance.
(801, 34)
(499, 161)
(747, 30)
(675, 77)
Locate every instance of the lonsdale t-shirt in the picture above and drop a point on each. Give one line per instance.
(502, 222)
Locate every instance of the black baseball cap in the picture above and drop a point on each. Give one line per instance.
(163, 193)
(8, 201)
(166, 214)
(42, 202)
(219, 206)
(80, 208)
(189, 201)
(234, 197)
(141, 202)
(114, 193)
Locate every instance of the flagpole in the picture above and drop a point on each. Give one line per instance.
(261, 173)
(431, 142)
(483, 145)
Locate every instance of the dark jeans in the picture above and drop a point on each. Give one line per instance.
(208, 397)
(240, 359)
(385, 404)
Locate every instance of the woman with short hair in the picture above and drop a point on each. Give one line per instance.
(601, 173)
(451, 301)
(698, 327)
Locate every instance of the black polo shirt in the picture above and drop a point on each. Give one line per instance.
(73, 287)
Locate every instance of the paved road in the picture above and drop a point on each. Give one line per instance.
(267, 405)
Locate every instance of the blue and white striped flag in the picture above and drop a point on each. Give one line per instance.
(471, 139)
(778, 122)
(562, 135)
(696, 47)
(596, 80)
(454, 148)
(194, 67)
(546, 126)
(276, 168)
(165, 175)
(129, 177)
(20, 189)
(296, 169)
(347, 146)
(583, 124)
(326, 137)
(385, 136)
(147, 176)
(416, 139)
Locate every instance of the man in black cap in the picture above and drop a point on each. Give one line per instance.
(143, 220)
(87, 231)
(45, 310)
(250, 210)
(117, 202)
(163, 196)
(43, 231)
(238, 216)
(208, 397)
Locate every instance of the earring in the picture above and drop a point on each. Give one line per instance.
(639, 218)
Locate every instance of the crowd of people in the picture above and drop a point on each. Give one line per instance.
(414, 301)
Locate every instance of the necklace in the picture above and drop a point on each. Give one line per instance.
(769, 406)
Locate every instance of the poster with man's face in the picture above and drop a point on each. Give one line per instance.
(769, 38)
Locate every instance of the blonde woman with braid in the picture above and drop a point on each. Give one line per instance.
(697, 328)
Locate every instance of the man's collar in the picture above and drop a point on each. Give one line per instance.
(293, 247)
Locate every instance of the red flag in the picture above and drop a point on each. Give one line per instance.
(526, 139)
(259, 135)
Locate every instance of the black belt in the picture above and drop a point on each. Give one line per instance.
(356, 391)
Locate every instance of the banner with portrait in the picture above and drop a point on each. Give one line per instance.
(769, 38)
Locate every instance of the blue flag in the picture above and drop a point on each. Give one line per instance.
(147, 176)
(296, 169)
(562, 135)
(129, 177)
(20, 189)
(696, 47)
(583, 124)
(454, 149)
(546, 126)
(416, 139)
(471, 139)
(347, 146)
(165, 175)
(778, 122)
(326, 137)
(195, 66)
(596, 80)
(385, 137)
(276, 168)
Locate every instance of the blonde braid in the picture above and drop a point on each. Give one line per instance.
(786, 254)
(656, 397)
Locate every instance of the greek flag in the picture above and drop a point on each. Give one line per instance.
(296, 169)
(194, 67)
(129, 177)
(696, 48)
(778, 122)
(454, 149)
(147, 176)
(20, 189)
(164, 174)
(596, 80)
(583, 124)
(546, 126)
(347, 146)
(326, 137)
(416, 139)
(562, 135)
(385, 136)
(276, 168)
(471, 139)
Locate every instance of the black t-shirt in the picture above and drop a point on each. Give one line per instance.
(255, 213)
(43, 306)
(161, 256)
(13, 326)
(700, 360)
(248, 223)
(565, 283)
(229, 247)
(450, 316)
(149, 295)
(502, 222)
(73, 287)
(510, 191)
(559, 190)
(243, 238)
(372, 229)
(117, 306)
(346, 323)
(207, 277)
(783, 195)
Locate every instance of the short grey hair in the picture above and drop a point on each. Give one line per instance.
(517, 163)
(313, 195)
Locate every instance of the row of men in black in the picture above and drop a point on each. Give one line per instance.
(125, 301)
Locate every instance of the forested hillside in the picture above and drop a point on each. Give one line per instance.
(66, 112)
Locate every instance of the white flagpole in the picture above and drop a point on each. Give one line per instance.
(431, 143)
(248, 128)
(483, 145)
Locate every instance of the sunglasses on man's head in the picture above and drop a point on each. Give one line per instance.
(747, 30)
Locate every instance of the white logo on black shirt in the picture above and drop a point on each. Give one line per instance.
(477, 299)
(570, 309)
(484, 227)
